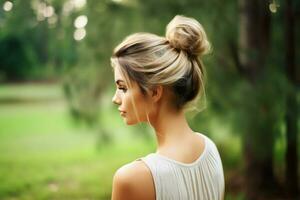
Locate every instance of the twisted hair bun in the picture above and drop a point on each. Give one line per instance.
(187, 34)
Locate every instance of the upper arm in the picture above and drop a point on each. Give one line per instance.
(133, 182)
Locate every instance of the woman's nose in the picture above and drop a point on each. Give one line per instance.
(116, 100)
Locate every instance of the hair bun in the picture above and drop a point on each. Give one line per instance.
(187, 34)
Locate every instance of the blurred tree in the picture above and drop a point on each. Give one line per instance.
(291, 171)
(258, 138)
(43, 45)
(17, 53)
(253, 64)
(14, 60)
(87, 83)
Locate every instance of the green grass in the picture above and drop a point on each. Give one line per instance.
(31, 91)
(43, 156)
(53, 170)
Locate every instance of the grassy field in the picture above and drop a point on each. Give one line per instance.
(44, 156)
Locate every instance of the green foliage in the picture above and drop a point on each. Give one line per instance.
(32, 48)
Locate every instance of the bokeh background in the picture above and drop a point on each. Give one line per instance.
(62, 138)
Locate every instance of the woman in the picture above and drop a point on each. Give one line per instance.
(157, 78)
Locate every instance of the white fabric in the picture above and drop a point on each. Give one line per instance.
(201, 180)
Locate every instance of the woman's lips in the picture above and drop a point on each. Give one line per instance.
(122, 113)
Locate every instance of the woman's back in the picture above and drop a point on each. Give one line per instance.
(201, 180)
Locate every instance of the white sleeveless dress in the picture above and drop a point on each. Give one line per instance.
(201, 180)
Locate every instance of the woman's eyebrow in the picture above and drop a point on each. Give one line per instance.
(119, 81)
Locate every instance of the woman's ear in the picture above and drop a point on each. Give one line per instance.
(156, 93)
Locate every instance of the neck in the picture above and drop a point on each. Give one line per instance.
(171, 128)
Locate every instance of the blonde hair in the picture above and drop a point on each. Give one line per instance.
(173, 60)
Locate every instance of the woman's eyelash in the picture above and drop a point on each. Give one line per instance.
(123, 89)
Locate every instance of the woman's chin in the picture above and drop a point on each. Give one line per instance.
(130, 122)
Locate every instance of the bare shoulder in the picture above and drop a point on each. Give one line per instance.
(133, 181)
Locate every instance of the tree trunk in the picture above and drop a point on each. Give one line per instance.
(291, 172)
(258, 140)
